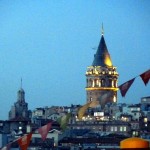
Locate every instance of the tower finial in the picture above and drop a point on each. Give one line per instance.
(102, 30)
(21, 82)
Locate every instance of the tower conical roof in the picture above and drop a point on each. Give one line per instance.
(102, 57)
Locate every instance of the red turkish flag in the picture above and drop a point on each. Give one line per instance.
(145, 77)
(44, 130)
(24, 141)
(125, 87)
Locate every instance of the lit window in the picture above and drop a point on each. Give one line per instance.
(90, 99)
(112, 129)
(114, 99)
(124, 128)
(93, 83)
(120, 128)
(145, 119)
(112, 83)
(97, 82)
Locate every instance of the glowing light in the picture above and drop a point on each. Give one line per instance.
(102, 88)
(145, 119)
(114, 99)
(108, 61)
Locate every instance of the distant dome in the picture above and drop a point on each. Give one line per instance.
(134, 142)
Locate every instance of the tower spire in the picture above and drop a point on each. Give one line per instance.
(21, 83)
(102, 30)
(102, 56)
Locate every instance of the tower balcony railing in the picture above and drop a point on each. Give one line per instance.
(102, 88)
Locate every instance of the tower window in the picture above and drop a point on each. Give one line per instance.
(114, 99)
(115, 83)
(93, 83)
(97, 82)
(112, 83)
(86, 82)
(102, 82)
(90, 99)
(90, 82)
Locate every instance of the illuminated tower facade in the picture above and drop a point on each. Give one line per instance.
(101, 77)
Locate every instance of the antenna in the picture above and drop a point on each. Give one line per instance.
(102, 30)
(21, 82)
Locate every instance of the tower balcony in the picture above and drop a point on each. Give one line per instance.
(100, 71)
(102, 88)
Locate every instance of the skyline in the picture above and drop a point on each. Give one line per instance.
(50, 45)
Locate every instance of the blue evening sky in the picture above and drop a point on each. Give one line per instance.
(49, 44)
